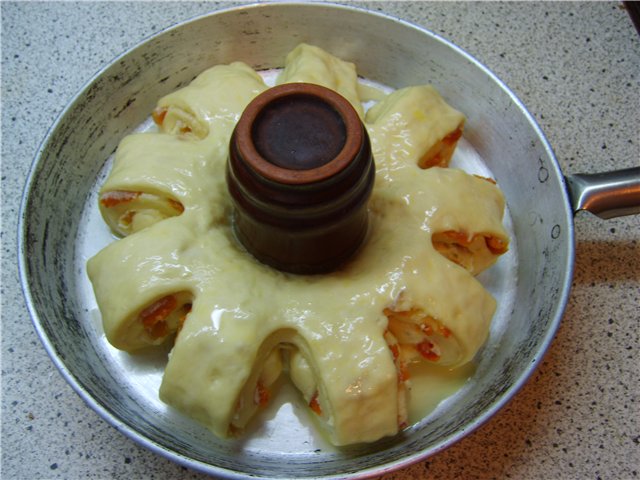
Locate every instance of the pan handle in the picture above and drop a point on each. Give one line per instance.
(607, 195)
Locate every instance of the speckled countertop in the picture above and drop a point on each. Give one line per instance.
(577, 68)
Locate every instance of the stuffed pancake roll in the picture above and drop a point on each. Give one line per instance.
(222, 366)
(156, 176)
(310, 64)
(340, 360)
(355, 401)
(211, 104)
(474, 239)
(127, 211)
(443, 317)
(474, 251)
(382, 411)
(414, 125)
(142, 291)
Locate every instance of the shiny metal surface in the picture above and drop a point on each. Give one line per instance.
(607, 195)
(500, 137)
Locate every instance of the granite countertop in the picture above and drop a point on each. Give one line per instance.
(577, 68)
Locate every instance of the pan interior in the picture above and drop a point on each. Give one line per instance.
(530, 282)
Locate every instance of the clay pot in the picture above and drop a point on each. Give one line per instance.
(300, 173)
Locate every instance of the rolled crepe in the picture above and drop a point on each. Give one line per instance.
(157, 176)
(143, 287)
(474, 251)
(211, 104)
(415, 125)
(474, 244)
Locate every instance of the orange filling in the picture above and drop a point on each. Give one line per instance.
(490, 180)
(111, 199)
(262, 395)
(118, 197)
(315, 405)
(440, 154)
(425, 349)
(154, 316)
(497, 246)
(158, 115)
(400, 364)
(441, 240)
(408, 333)
(176, 205)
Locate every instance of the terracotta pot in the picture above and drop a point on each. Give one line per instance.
(300, 173)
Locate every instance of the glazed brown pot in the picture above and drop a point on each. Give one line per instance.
(300, 173)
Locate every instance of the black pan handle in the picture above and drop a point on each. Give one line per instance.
(607, 195)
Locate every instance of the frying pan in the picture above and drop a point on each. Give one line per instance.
(531, 289)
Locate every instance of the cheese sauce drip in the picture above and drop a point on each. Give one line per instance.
(242, 323)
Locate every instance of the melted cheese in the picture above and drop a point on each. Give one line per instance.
(242, 310)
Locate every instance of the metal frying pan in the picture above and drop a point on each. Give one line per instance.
(532, 288)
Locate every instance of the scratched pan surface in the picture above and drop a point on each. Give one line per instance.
(531, 282)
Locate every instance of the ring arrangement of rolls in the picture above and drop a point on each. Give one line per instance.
(345, 339)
